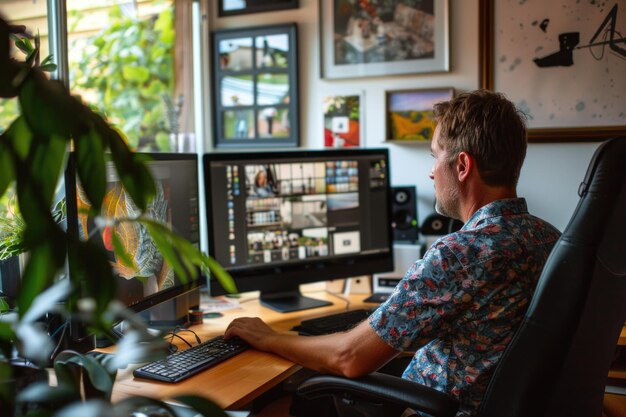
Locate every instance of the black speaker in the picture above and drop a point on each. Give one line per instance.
(404, 214)
(437, 224)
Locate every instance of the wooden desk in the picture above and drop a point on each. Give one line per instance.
(239, 380)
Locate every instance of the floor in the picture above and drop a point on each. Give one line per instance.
(614, 406)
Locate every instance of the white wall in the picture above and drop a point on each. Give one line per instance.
(551, 173)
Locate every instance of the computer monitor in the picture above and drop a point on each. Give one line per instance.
(279, 219)
(151, 281)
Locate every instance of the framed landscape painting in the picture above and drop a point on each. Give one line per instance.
(377, 38)
(410, 113)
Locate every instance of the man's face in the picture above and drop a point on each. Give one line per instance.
(445, 183)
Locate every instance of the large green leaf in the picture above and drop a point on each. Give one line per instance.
(67, 375)
(7, 173)
(45, 260)
(19, 137)
(138, 346)
(136, 74)
(93, 272)
(47, 107)
(46, 162)
(5, 51)
(4, 306)
(189, 252)
(23, 44)
(49, 396)
(90, 166)
(9, 68)
(7, 388)
(223, 277)
(132, 170)
(183, 254)
(47, 301)
(98, 375)
(33, 343)
(162, 238)
(33, 208)
(120, 252)
(6, 333)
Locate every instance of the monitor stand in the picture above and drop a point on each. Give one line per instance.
(290, 300)
(172, 313)
(161, 318)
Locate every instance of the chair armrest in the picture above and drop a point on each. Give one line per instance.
(383, 389)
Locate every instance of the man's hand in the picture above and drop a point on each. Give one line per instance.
(251, 329)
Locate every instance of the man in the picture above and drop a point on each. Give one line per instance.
(458, 306)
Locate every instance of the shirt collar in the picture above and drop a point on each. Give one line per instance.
(497, 208)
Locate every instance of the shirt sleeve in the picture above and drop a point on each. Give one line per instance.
(425, 302)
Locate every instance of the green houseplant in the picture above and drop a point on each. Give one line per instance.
(33, 152)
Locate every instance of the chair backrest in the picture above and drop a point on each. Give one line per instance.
(558, 361)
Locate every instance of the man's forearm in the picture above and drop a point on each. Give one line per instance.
(352, 354)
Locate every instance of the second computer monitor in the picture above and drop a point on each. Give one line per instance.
(280, 219)
(149, 281)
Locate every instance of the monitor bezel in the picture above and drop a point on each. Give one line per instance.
(160, 297)
(263, 278)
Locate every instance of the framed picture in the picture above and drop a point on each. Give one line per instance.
(376, 38)
(236, 7)
(410, 113)
(343, 123)
(255, 87)
(561, 62)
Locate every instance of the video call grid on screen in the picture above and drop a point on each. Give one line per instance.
(175, 203)
(292, 211)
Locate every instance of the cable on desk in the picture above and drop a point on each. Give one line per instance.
(179, 329)
(174, 333)
(63, 327)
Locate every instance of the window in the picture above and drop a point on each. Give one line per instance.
(33, 15)
(126, 60)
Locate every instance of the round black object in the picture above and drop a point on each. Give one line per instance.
(401, 196)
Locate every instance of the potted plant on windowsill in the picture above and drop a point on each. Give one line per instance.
(33, 152)
(11, 229)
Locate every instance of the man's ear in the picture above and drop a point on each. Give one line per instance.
(464, 165)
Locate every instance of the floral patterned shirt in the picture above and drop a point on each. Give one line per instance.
(460, 304)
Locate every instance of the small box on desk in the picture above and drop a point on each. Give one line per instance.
(404, 255)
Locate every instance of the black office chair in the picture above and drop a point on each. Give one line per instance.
(558, 361)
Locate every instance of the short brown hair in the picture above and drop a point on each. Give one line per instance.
(490, 128)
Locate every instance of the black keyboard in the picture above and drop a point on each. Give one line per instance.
(333, 323)
(188, 362)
